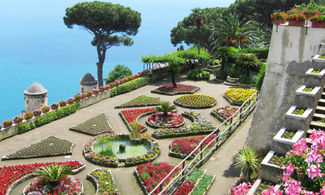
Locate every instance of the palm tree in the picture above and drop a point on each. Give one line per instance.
(248, 161)
(231, 31)
(165, 107)
(247, 61)
(53, 173)
(198, 20)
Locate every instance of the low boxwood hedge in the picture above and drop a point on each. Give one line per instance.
(129, 86)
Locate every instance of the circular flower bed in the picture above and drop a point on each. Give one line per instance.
(105, 149)
(196, 101)
(67, 185)
(237, 96)
(158, 120)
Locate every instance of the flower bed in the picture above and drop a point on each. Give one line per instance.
(158, 120)
(141, 101)
(237, 96)
(103, 181)
(189, 184)
(263, 186)
(196, 101)
(48, 147)
(94, 126)
(12, 175)
(168, 89)
(224, 113)
(130, 118)
(204, 185)
(289, 133)
(150, 174)
(199, 126)
(110, 160)
(67, 185)
(180, 148)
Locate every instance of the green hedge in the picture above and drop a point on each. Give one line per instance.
(25, 126)
(129, 86)
(61, 112)
(198, 74)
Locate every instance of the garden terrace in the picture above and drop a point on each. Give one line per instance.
(94, 126)
(124, 178)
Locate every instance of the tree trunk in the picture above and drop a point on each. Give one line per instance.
(101, 52)
(173, 80)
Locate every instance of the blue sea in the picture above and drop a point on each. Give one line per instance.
(36, 46)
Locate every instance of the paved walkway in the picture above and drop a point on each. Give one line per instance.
(124, 176)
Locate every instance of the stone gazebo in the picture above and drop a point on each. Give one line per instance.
(35, 97)
(88, 83)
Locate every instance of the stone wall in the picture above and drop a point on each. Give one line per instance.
(290, 54)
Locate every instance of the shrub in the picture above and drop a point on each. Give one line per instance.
(222, 75)
(129, 86)
(17, 119)
(63, 103)
(54, 106)
(119, 72)
(205, 75)
(28, 115)
(198, 74)
(37, 112)
(25, 126)
(7, 123)
(45, 109)
(260, 77)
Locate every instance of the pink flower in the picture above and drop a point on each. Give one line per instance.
(314, 171)
(271, 191)
(314, 157)
(289, 169)
(300, 147)
(241, 189)
(293, 187)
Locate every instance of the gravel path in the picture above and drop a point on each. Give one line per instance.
(124, 176)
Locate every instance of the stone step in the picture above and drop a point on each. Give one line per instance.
(318, 116)
(321, 102)
(316, 125)
(320, 109)
(323, 94)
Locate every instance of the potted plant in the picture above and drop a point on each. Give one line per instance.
(77, 98)
(318, 21)
(62, 103)
(101, 89)
(83, 96)
(7, 123)
(310, 12)
(45, 109)
(95, 91)
(296, 19)
(37, 112)
(54, 106)
(111, 85)
(28, 115)
(70, 100)
(279, 17)
(0, 127)
(18, 119)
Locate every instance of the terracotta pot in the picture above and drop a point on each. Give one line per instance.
(296, 23)
(318, 24)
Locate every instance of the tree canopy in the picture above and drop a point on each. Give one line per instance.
(120, 71)
(111, 25)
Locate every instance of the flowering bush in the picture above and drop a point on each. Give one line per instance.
(195, 101)
(305, 166)
(296, 17)
(77, 98)
(45, 109)
(238, 96)
(37, 112)
(62, 103)
(275, 16)
(224, 113)
(17, 119)
(9, 174)
(180, 89)
(54, 106)
(130, 116)
(67, 185)
(318, 18)
(242, 189)
(28, 115)
(159, 120)
(152, 173)
(7, 123)
(185, 146)
(70, 100)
